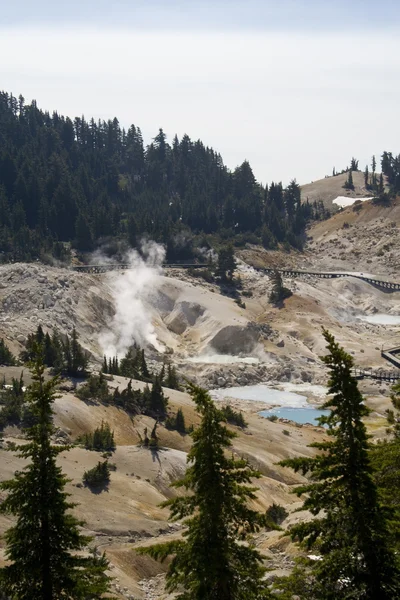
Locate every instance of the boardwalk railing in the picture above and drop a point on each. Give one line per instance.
(392, 355)
(391, 376)
(388, 286)
(94, 269)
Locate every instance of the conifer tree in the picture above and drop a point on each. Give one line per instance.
(172, 381)
(6, 356)
(215, 559)
(226, 263)
(42, 546)
(350, 528)
(143, 367)
(279, 292)
(180, 421)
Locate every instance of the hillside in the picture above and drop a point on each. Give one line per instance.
(329, 188)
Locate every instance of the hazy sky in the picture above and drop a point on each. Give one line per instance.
(294, 86)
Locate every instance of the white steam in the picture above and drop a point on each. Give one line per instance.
(131, 290)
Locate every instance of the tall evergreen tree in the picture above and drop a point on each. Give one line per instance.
(226, 263)
(215, 560)
(350, 531)
(42, 546)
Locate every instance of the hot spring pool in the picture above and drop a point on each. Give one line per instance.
(298, 415)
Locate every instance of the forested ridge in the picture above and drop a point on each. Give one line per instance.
(87, 182)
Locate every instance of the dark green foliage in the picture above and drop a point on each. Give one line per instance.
(348, 184)
(111, 366)
(354, 164)
(102, 439)
(63, 354)
(226, 265)
(128, 399)
(172, 381)
(176, 422)
(6, 356)
(350, 529)
(279, 292)
(13, 411)
(385, 460)
(215, 559)
(95, 388)
(155, 403)
(44, 545)
(234, 417)
(272, 418)
(277, 513)
(130, 365)
(81, 182)
(97, 478)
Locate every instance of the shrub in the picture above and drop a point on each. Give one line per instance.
(98, 477)
(272, 418)
(277, 513)
(233, 417)
(176, 422)
(6, 356)
(286, 432)
(95, 388)
(101, 439)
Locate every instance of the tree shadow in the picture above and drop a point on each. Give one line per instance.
(98, 488)
(155, 454)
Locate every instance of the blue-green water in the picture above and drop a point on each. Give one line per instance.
(298, 415)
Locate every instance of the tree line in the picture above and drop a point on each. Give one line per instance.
(89, 182)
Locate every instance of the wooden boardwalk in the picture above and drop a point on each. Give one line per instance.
(387, 286)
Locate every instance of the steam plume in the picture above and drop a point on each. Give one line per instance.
(131, 290)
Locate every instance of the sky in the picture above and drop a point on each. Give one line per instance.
(296, 87)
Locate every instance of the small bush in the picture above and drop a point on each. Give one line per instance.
(6, 356)
(176, 422)
(286, 432)
(98, 477)
(272, 418)
(101, 439)
(233, 417)
(95, 388)
(277, 513)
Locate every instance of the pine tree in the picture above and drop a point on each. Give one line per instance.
(42, 546)
(348, 184)
(366, 176)
(226, 263)
(215, 560)
(143, 367)
(172, 380)
(105, 365)
(6, 356)
(279, 292)
(351, 535)
(180, 421)
(157, 402)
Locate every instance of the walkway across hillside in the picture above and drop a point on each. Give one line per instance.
(387, 286)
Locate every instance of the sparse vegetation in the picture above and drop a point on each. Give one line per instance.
(98, 477)
(279, 291)
(234, 417)
(277, 513)
(6, 356)
(102, 439)
(176, 422)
